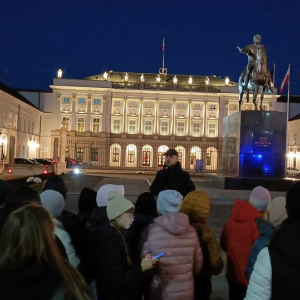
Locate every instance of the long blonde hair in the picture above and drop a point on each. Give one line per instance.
(27, 236)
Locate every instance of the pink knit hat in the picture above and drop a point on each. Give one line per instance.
(260, 198)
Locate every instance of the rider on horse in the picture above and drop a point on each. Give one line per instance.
(257, 56)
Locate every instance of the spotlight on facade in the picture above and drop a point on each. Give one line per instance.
(59, 73)
(227, 80)
(105, 75)
(142, 78)
(175, 80)
(158, 79)
(190, 80)
(207, 80)
(126, 77)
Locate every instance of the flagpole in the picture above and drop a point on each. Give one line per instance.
(164, 56)
(274, 77)
(288, 116)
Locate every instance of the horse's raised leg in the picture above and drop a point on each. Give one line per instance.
(262, 95)
(255, 92)
(247, 96)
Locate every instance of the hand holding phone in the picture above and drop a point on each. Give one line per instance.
(159, 255)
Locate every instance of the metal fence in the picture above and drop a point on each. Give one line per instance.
(194, 157)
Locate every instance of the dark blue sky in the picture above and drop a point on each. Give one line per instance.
(89, 37)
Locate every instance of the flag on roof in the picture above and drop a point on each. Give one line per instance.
(163, 46)
(285, 80)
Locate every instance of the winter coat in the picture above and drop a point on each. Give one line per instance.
(65, 215)
(134, 234)
(196, 205)
(174, 276)
(172, 178)
(260, 284)
(26, 283)
(237, 239)
(116, 277)
(66, 240)
(266, 230)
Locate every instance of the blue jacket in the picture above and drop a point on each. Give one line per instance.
(266, 230)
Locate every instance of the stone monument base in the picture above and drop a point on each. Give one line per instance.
(246, 183)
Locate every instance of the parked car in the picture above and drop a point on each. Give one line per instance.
(293, 171)
(23, 161)
(44, 161)
(34, 161)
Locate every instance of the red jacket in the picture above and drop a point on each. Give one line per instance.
(237, 239)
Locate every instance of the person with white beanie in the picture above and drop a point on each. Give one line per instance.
(54, 202)
(116, 276)
(275, 215)
(172, 234)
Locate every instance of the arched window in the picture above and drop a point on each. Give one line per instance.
(131, 159)
(115, 155)
(196, 163)
(161, 150)
(181, 155)
(147, 152)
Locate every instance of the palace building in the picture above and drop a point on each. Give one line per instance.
(129, 120)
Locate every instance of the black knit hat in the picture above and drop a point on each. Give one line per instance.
(146, 205)
(293, 201)
(87, 200)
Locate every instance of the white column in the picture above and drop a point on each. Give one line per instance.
(140, 131)
(73, 125)
(157, 117)
(88, 116)
(61, 167)
(124, 115)
(173, 117)
(204, 119)
(189, 119)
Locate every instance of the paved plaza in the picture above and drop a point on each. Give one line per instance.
(221, 205)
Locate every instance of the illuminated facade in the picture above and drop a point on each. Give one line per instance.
(130, 119)
(20, 119)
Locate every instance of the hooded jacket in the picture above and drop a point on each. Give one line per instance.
(174, 276)
(116, 278)
(172, 178)
(197, 206)
(237, 238)
(66, 240)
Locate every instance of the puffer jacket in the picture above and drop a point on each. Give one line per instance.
(174, 276)
(196, 205)
(66, 240)
(237, 239)
(260, 285)
(266, 230)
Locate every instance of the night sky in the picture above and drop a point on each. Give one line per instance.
(90, 37)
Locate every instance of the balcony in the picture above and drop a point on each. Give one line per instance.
(166, 87)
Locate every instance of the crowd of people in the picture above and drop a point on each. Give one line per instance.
(107, 250)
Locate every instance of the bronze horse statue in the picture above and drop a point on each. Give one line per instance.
(260, 77)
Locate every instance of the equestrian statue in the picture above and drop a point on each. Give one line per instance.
(256, 74)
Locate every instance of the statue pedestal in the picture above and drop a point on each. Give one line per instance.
(254, 151)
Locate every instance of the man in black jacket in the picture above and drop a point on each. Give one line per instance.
(172, 177)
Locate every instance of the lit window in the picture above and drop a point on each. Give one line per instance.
(148, 127)
(96, 124)
(44, 152)
(117, 126)
(79, 154)
(232, 107)
(32, 127)
(212, 107)
(67, 120)
(164, 127)
(132, 126)
(24, 128)
(211, 129)
(118, 103)
(131, 156)
(80, 124)
(28, 126)
(116, 155)
(248, 106)
(180, 128)
(66, 100)
(81, 101)
(94, 154)
(96, 101)
(208, 158)
(148, 105)
(196, 129)
(197, 106)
